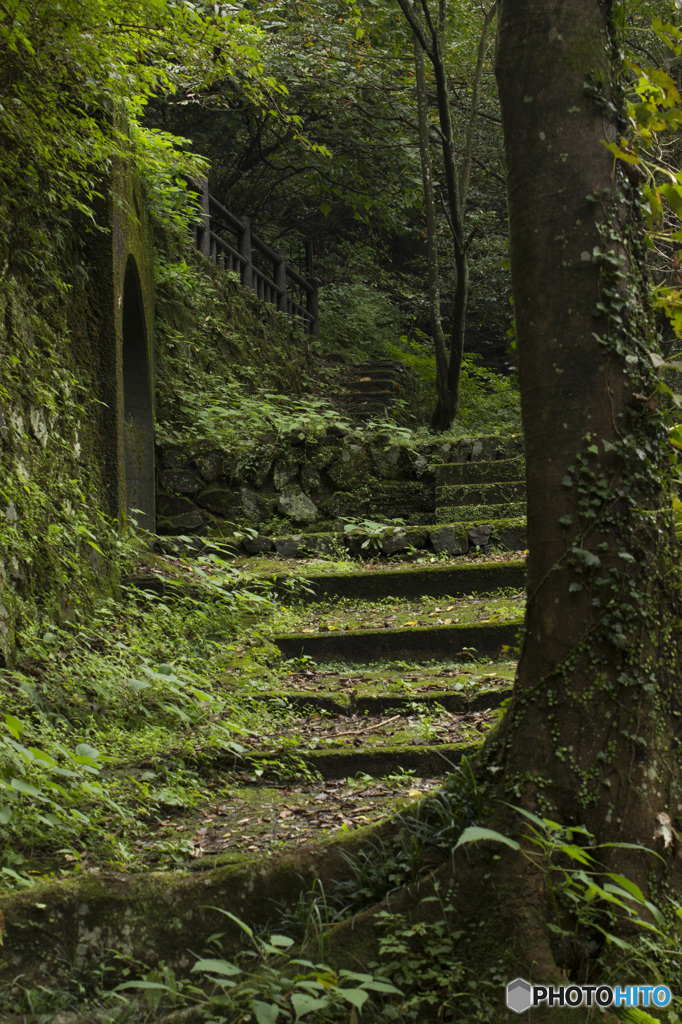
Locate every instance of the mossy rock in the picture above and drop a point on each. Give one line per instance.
(408, 643)
(71, 924)
(487, 448)
(297, 506)
(352, 467)
(394, 463)
(388, 499)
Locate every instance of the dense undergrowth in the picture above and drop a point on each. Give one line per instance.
(231, 369)
(109, 690)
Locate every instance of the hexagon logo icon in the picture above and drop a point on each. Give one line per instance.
(518, 995)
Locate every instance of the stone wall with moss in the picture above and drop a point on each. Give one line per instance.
(61, 411)
(304, 481)
(55, 537)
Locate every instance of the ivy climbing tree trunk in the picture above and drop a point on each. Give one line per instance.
(591, 736)
(591, 739)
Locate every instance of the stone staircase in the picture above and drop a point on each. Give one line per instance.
(349, 625)
(369, 389)
(375, 676)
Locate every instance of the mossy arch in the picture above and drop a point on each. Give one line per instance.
(123, 268)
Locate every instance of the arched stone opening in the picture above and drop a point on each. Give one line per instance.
(138, 409)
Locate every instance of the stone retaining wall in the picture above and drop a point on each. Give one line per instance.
(308, 483)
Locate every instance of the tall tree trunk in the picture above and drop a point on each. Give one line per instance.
(591, 733)
(430, 37)
(437, 332)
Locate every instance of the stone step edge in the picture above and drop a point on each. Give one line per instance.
(405, 581)
(411, 643)
(401, 581)
(455, 701)
(490, 493)
(457, 515)
(481, 471)
(426, 760)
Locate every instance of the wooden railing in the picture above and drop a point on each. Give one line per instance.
(262, 269)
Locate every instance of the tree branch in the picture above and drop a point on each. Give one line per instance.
(415, 24)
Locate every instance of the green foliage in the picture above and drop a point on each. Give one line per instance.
(115, 685)
(70, 69)
(226, 361)
(423, 956)
(266, 981)
(489, 402)
(359, 318)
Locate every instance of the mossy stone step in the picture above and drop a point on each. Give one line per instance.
(481, 514)
(427, 761)
(374, 385)
(454, 701)
(407, 581)
(481, 494)
(449, 538)
(410, 643)
(481, 472)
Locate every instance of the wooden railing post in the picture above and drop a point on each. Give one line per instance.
(245, 251)
(204, 232)
(280, 269)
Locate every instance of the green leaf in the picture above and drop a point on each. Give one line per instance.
(474, 834)
(382, 986)
(217, 967)
(633, 1015)
(156, 985)
(86, 751)
(621, 154)
(356, 996)
(266, 1013)
(673, 193)
(577, 853)
(325, 209)
(629, 886)
(244, 927)
(15, 727)
(24, 787)
(303, 1004)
